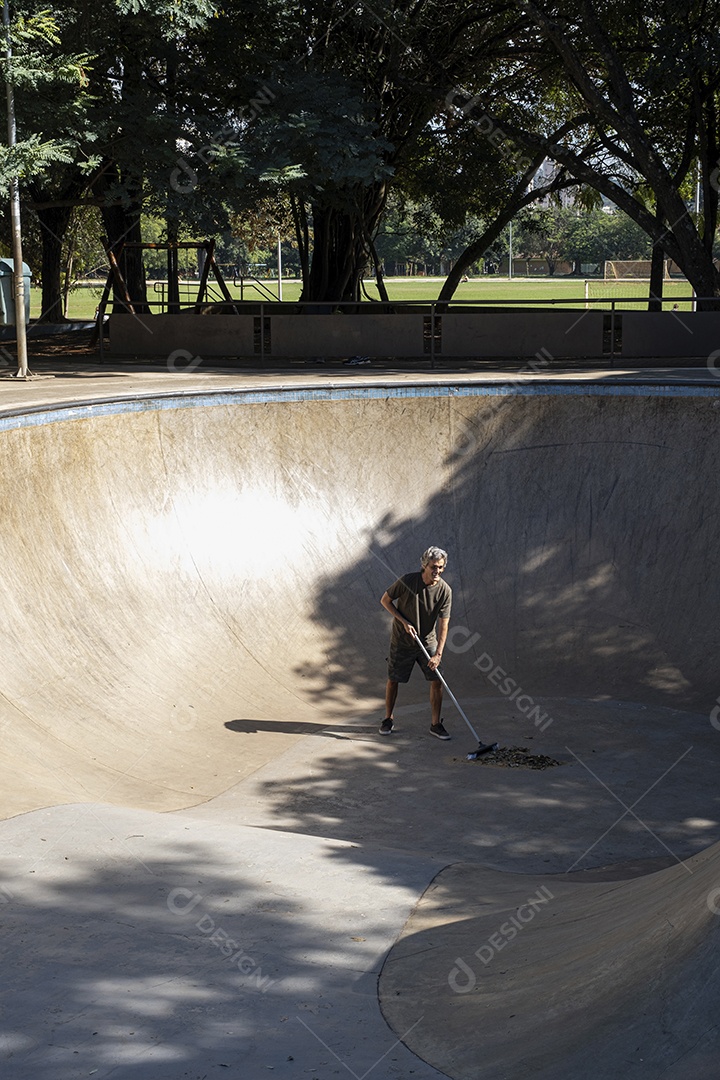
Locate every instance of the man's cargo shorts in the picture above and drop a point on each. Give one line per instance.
(402, 658)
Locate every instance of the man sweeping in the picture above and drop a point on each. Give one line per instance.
(420, 606)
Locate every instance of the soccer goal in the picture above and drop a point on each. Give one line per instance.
(631, 269)
(625, 286)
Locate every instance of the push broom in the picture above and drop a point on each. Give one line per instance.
(482, 748)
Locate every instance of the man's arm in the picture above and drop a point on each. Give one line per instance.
(442, 633)
(387, 603)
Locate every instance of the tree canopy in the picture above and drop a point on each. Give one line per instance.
(625, 98)
(325, 121)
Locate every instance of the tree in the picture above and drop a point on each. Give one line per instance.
(637, 87)
(579, 235)
(328, 110)
(545, 232)
(36, 65)
(414, 233)
(469, 170)
(118, 130)
(351, 94)
(39, 69)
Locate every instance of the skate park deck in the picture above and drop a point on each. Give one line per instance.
(212, 865)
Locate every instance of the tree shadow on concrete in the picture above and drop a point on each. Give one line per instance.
(129, 951)
(583, 555)
(645, 791)
(584, 563)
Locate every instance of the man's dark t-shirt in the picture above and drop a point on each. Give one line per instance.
(422, 605)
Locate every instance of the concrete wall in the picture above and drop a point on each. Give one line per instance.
(523, 333)
(161, 335)
(670, 333)
(346, 335)
(507, 334)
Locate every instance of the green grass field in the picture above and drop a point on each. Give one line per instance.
(562, 291)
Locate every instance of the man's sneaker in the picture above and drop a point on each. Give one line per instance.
(439, 731)
(386, 726)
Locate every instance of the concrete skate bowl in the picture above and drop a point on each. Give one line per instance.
(175, 566)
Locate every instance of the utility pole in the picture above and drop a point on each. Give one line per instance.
(18, 277)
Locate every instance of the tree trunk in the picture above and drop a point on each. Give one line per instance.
(339, 256)
(471, 254)
(341, 247)
(681, 241)
(123, 224)
(302, 237)
(54, 222)
(67, 276)
(173, 269)
(704, 278)
(520, 198)
(379, 276)
(657, 271)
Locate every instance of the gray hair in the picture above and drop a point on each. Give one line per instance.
(432, 554)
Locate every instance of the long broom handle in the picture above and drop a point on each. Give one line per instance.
(442, 680)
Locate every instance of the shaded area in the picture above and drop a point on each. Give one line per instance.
(255, 727)
(561, 980)
(581, 533)
(154, 948)
(636, 783)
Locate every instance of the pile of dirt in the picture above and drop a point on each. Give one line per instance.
(516, 757)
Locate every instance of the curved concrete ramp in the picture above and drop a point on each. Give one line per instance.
(559, 979)
(176, 563)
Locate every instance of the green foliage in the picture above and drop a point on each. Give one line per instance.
(29, 157)
(35, 59)
(174, 16)
(414, 233)
(580, 236)
(330, 145)
(38, 67)
(625, 97)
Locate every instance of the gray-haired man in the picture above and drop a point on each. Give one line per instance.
(420, 605)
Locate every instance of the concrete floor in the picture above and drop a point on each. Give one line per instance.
(213, 865)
